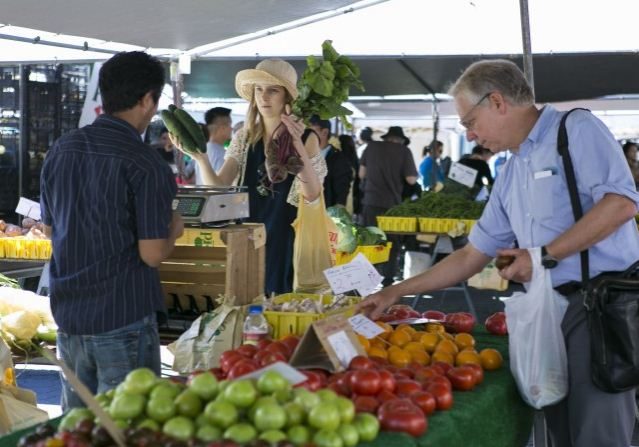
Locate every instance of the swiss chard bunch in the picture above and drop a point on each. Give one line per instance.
(325, 85)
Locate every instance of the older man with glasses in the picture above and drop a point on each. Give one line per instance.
(530, 204)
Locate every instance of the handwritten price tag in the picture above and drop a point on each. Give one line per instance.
(359, 274)
(365, 326)
(344, 349)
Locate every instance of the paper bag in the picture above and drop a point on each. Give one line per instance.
(208, 337)
(312, 251)
(488, 278)
(18, 409)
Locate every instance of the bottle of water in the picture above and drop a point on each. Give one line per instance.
(256, 327)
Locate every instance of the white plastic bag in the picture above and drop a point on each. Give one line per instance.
(537, 349)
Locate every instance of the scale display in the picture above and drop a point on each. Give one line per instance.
(190, 206)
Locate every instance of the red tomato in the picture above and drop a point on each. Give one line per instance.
(477, 370)
(291, 342)
(342, 390)
(442, 366)
(366, 404)
(442, 394)
(406, 372)
(404, 388)
(441, 380)
(425, 401)
(366, 382)
(228, 359)
(379, 362)
(387, 381)
(403, 416)
(242, 367)
(361, 362)
(385, 396)
(496, 324)
(278, 346)
(218, 373)
(426, 373)
(385, 318)
(459, 322)
(263, 344)
(247, 351)
(434, 315)
(461, 379)
(313, 382)
(272, 357)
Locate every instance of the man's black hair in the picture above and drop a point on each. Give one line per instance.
(213, 113)
(322, 124)
(127, 77)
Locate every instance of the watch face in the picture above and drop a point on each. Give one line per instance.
(549, 263)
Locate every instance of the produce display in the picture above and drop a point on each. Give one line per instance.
(30, 229)
(185, 129)
(325, 84)
(25, 319)
(208, 412)
(439, 205)
(311, 305)
(351, 235)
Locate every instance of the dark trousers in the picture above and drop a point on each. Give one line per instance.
(587, 416)
(386, 269)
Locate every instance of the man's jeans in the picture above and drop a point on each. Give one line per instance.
(102, 361)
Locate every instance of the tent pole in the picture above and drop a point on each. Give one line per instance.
(525, 37)
(23, 144)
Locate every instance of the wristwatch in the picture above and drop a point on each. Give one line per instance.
(547, 260)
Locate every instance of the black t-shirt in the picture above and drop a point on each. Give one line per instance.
(482, 168)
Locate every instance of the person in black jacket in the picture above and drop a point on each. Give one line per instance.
(337, 183)
(478, 160)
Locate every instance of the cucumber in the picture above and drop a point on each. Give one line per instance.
(192, 127)
(176, 128)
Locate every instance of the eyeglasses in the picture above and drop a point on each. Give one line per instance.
(468, 124)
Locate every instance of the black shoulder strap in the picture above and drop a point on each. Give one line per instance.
(577, 210)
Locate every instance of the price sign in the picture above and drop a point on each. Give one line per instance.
(343, 347)
(365, 326)
(359, 274)
(463, 174)
(28, 208)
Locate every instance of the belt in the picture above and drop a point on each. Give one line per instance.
(569, 288)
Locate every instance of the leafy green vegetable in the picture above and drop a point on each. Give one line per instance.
(5, 281)
(346, 238)
(439, 205)
(350, 235)
(339, 214)
(325, 84)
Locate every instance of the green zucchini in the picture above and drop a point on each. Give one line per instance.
(194, 129)
(176, 128)
(172, 108)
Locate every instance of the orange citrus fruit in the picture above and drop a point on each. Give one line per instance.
(420, 357)
(464, 340)
(365, 342)
(446, 336)
(491, 359)
(417, 335)
(399, 338)
(448, 346)
(388, 329)
(442, 356)
(406, 327)
(375, 351)
(429, 341)
(467, 356)
(434, 327)
(399, 358)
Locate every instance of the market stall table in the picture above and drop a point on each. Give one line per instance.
(491, 415)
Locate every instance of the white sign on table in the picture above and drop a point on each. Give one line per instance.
(359, 274)
(28, 208)
(463, 174)
(364, 326)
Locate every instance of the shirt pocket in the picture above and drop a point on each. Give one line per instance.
(543, 196)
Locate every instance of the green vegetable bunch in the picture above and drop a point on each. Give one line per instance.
(439, 205)
(325, 84)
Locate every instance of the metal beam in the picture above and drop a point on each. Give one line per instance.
(418, 78)
(525, 38)
(37, 41)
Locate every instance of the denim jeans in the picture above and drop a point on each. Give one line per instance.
(102, 361)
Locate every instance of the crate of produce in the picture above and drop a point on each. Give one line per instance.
(375, 254)
(291, 322)
(435, 225)
(20, 247)
(226, 262)
(399, 224)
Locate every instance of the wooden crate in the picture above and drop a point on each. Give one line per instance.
(209, 262)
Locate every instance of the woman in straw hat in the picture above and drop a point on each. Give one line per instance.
(270, 89)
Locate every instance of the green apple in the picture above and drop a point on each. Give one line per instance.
(241, 433)
(326, 395)
(208, 433)
(140, 381)
(188, 404)
(263, 400)
(299, 434)
(179, 427)
(221, 414)
(241, 393)
(272, 436)
(204, 385)
(324, 416)
(346, 409)
(367, 425)
(349, 435)
(161, 408)
(305, 398)
(327, 438)
(295, 413)
(149, 423)
(127, 406)
(271, 382)
(165, 388)
(269, 417)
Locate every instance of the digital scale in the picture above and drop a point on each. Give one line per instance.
(202, 206)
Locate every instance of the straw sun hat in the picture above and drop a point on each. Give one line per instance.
(269, 71)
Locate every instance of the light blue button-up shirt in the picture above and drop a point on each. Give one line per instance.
(530, 201)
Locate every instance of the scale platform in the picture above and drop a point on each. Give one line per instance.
(210, 206)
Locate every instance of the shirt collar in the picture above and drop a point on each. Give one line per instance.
(115, 123)
(326, 150)
(539, 130)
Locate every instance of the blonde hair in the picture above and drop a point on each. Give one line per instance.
(254, 124)
(491, 75)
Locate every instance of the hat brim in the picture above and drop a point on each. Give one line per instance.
(245, 79)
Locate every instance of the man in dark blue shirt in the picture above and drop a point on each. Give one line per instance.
(106, 201)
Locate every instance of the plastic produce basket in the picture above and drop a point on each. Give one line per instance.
(23, 248)
(374, 253)
(434, 225)
(399, 224)
(296, 323)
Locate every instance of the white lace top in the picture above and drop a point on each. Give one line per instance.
(238, 150)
